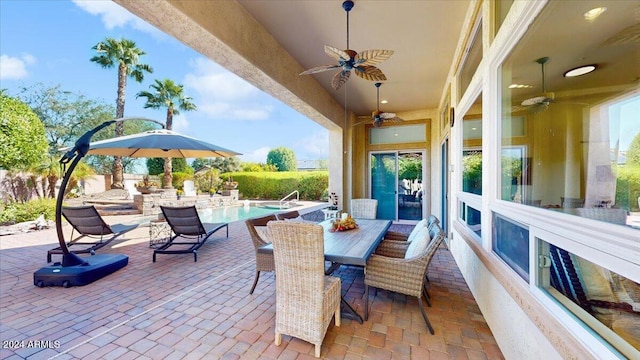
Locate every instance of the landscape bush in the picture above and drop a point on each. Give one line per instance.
(312, 185)
(628, 188)
(15, 212)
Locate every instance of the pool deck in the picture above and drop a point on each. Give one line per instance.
(176, 308)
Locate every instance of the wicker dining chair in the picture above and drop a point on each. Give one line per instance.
(294, 214)
(571, 203)
(405, 275)
(364, 208)
(615, 216)
(400, 236)
(306, 299)
(259, 236)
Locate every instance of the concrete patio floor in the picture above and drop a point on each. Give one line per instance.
(176, 308)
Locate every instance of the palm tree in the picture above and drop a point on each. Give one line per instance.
(170, 95)
(125, 55)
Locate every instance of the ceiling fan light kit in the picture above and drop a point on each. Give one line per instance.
(361, 64)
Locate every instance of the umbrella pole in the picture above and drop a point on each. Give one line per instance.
(76, 153)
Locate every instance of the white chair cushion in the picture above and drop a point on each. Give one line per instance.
(419, 243)
(300, 219)
(419, 226)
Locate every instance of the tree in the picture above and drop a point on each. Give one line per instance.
(21, 134)
(155, 166)
(633, 152)
(125, 55)
(283, 158)
(169, 95)
(67, 116)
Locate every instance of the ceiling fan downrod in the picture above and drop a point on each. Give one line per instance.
(347, 6)
(542, 61)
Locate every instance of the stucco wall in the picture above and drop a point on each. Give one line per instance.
(522, 342)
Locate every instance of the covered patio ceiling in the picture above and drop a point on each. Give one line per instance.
(270, 42)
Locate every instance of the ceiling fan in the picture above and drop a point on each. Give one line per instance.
(361, 64)
(540, 103)
(378, 116)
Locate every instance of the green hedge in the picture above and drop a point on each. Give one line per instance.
(628, 188)
(29, 211)
(312, 185)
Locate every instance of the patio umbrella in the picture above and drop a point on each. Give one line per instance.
(158, 143)
(74, 270)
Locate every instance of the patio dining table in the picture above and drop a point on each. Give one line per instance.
(351, 247)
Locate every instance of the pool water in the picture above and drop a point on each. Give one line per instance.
(229, 214)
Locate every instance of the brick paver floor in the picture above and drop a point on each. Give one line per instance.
(176, 308)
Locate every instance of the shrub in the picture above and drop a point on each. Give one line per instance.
(628, 188)
(178, 179)
(276, 185)
(29, 211)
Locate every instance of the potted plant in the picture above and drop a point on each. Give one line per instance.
(230, 184)
(179, 193)
(146, 186)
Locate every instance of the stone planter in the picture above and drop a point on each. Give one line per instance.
(146, 189)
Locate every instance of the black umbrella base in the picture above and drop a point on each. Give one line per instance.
(89, 269)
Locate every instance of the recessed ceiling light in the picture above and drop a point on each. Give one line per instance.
(580, 70)
(474, 128)
(594, 13)
(383, 101)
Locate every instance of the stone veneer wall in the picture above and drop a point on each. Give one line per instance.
(150, 204)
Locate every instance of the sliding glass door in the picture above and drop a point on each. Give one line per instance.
(396, 182)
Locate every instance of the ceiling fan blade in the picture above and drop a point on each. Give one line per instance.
(336, 53)
(533, 101)
(371, 73)
(319, 69)
(340, 78)
(394, 119)
(372, 57)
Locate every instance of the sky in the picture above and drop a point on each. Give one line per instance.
(50, 42)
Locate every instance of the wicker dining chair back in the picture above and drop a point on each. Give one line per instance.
(364, 208)
(306, 299)
(258, 231)
(288, 215)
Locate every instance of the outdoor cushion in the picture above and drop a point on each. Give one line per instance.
(419, 226)
(300, 219)
(419, 244)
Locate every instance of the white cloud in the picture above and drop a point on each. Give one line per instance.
(13, 68)
(114, 16)
(223, 94)
(258, 155)
(315, 146)
(180, 124)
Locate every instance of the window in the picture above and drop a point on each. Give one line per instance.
(472, 218)
(472, 149)
(398, 134)
(472, 57)
(511, 243)
(572, 144)
(600, 298)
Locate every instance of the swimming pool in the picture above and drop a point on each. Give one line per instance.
(229, 214)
